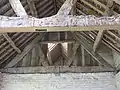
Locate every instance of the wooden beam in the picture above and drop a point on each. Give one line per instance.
(103, 5)
(93, 7)
(99, 3)
(11, 42)
(71, 58)
(109, 8)
(26, 61)
(34, 55)
(66, 7)
(88, 47)
(97, 40)
(18, 8)
(106, 53)
(83, 55)
(57, 69)
(32, 7)
(43, 59)
(25, 51)
(100, 33)
(49, 58)
(73, 10)
(58, 23)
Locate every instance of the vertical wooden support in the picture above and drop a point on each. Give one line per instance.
(62, 61)
(44, 47)
(34, 56)
(75, 60)
(75, 47)
(42, 58)
(49, 58)
(70, 51)
(83, 56)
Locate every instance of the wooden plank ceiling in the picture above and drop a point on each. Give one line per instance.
(86, 48)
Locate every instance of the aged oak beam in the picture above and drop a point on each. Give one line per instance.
(59, 23)
(57, 69)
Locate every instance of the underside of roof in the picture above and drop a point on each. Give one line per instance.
(85, 48)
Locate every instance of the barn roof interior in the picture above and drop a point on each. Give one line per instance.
(91, 50)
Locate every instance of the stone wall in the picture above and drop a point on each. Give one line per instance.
(65, 81)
